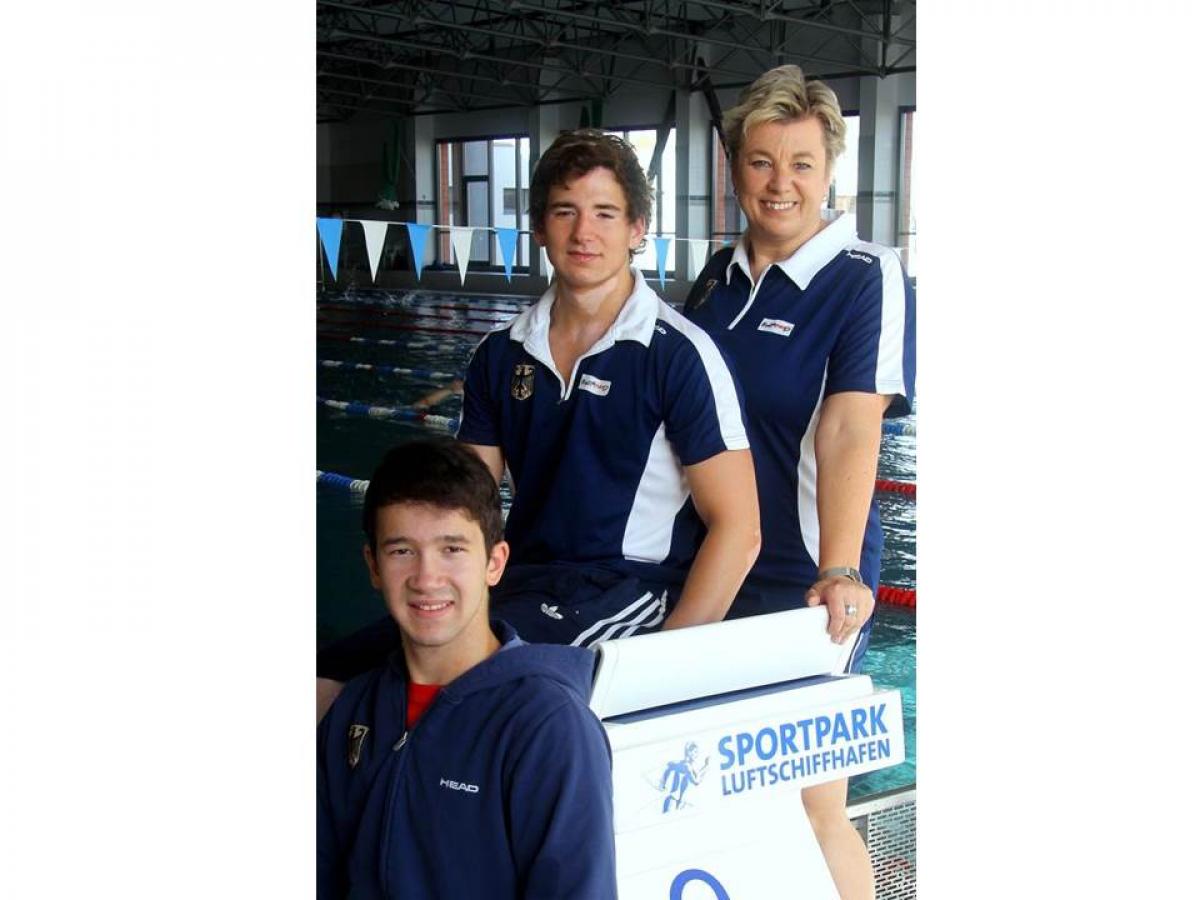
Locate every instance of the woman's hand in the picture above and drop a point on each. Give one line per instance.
(850, 604)
(847, 450)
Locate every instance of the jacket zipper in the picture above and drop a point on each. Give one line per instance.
(394, 788)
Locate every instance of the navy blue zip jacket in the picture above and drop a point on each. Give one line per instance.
(503, 788)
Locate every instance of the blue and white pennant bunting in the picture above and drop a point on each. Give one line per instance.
(461, 238)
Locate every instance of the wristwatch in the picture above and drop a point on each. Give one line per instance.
(845, 571)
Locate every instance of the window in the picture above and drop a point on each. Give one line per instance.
(906, 226)
(662, 222)
(728, 221)
(485, 184)
(512, 203)
(843, 193)
(510, 195)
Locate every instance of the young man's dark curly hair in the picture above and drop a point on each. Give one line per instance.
(574, 154)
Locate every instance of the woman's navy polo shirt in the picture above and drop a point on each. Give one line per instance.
(837, 315)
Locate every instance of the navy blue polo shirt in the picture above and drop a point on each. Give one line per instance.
(597, 458)
(838, 315)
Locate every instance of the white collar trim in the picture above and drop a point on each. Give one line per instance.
(810, 257)
(635, 321)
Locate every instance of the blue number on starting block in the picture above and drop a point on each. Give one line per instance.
(689, 875)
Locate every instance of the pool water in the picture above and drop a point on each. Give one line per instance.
(352, 445)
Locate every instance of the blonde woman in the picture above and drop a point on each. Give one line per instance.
(819, 330)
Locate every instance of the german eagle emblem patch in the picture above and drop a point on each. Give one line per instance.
(703, 298)
(358, 734)
(522, 381)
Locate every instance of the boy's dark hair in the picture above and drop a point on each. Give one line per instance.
(576, 153)
(441, 472)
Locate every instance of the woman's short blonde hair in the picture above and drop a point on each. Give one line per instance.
(784, 95)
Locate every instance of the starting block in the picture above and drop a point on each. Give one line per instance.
(714, 730)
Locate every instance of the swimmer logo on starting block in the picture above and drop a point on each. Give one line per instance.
(681, 773)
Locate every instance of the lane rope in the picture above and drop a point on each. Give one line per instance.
(323, 308)
(411, 299)
(908, 488)
(389, 370)
(344, 482)
(396, 326)
(395, 413)
(416, 343)
(896, 596)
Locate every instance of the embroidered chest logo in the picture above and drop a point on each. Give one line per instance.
(522, 381)
(358, 734)
(594, 385)
(861, 257)
(458, 786)
(776, 326)
(703, 298)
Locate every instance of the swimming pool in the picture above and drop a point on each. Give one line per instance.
(439, 340)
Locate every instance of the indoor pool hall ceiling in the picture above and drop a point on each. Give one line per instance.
(427, 56)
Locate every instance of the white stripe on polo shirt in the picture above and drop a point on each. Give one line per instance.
(729, 411)
(806, 480)
(660, 495)
(889, 367)
(663, 488)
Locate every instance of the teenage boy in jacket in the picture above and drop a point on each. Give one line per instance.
(469, 766)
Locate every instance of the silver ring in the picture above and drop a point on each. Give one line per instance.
(851, 610)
